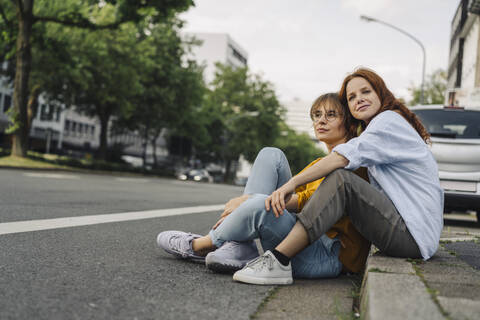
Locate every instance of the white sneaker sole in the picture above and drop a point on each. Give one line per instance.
(262, 281)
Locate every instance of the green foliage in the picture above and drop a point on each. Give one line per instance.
(299, 149)
(171, 89)
(85, 15)
(14, 124)
(8, 30)
(242, 113)
(434, 89)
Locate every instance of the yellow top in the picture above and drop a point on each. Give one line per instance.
(355, 247)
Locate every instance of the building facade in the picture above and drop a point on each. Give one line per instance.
(58, 129)
(216, 47)
(463, 75)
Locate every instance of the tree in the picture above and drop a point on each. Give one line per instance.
(67, 13)
(171, 87)
(242, 114)
(106, 78)
(434, 89)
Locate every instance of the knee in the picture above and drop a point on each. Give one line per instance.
(270, 152)
(253, 205)
(339, 174)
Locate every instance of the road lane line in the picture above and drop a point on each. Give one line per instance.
(49, 175)
(46, 224)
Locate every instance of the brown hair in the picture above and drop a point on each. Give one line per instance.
(332, 99)
(387, 99)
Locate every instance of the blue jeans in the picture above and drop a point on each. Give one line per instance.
(250, 220)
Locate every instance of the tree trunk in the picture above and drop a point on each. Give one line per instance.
(154, 150)
(228, 165)
(145, 145)
(154, 147)
(22, 74)
(102, 149)
(32, 105)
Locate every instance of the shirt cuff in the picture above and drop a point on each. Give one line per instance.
(348, 152)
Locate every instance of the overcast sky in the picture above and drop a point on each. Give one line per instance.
(306, 47)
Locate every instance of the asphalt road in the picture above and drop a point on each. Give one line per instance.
(112, 270)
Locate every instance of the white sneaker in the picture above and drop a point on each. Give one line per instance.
(266, 269)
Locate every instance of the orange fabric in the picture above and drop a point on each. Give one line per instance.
(355, 247)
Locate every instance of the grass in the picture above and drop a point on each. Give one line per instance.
(36, 160)
(270, 295)
(377, 270)
(19, 162)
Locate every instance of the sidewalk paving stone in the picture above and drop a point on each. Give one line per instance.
(392, 290)
(321, 299)
(455, 283)
(460, 308)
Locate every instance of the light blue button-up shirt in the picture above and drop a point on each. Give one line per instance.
(401, 166)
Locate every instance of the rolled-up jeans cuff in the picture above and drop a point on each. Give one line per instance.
(215, 240)
(308, 225)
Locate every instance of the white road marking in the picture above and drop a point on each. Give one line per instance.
(49, 175)
(46, 224)
(131, 179)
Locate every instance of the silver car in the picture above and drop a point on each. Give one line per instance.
(455, 135)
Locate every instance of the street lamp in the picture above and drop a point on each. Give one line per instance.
(370, 19)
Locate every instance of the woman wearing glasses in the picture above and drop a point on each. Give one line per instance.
(230, 242)
(400, 211)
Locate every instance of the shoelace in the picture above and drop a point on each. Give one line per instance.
(260, 262)
(176, 244)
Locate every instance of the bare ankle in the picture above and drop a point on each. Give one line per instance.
(203, 245)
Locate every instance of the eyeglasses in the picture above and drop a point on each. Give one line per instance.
(330, 115)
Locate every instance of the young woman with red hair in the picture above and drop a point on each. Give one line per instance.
(400, 210)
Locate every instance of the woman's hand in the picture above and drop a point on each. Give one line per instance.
(231, 205)
(276, 201)
(218, 223)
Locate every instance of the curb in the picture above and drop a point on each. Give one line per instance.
(391, 289)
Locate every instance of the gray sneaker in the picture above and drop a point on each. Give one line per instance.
(231, 256)
(179, 244)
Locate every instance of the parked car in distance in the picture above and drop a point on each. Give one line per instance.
(455, 136)
(240, 181)
(195, 175)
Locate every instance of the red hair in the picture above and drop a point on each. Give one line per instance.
(387, 99)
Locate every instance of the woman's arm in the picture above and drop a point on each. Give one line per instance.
(276, 200)
(292, 203)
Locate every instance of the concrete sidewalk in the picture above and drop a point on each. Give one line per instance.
(445, 287)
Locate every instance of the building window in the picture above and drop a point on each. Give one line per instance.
(7, 103)
(74, 127)
(58, 111)
(67, 125)
(238, 55)
(80, 128)
(1, 99)
(43, 112)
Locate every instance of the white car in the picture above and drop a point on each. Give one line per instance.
(455, 136)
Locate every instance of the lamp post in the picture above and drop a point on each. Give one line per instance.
(370, 19)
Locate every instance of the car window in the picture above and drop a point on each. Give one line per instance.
(446, 123)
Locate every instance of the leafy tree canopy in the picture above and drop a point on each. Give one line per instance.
(434, 89)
